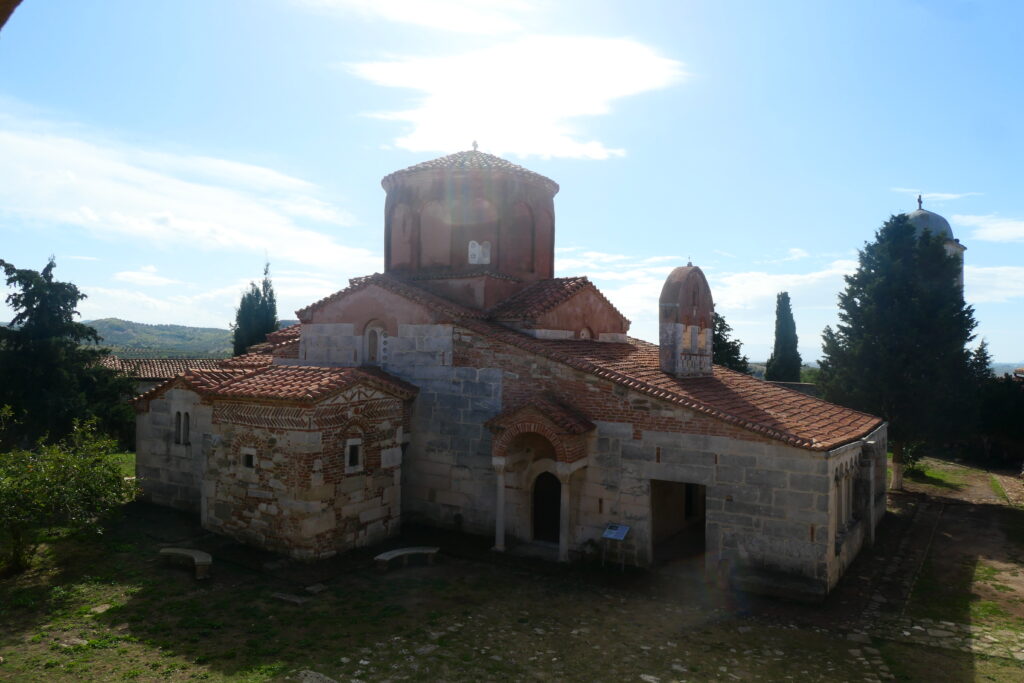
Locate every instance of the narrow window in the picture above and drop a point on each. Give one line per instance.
(353, 455)
(474, 252)
(373, 346)
(177, 427)
(185, 430)
(249, 460)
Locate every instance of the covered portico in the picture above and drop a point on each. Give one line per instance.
(535, 444)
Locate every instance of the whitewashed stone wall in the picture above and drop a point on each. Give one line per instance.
(171, 474)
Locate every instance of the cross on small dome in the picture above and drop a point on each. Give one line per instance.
(474, 145)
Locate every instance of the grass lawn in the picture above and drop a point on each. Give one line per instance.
(104, 608)
(126, 461)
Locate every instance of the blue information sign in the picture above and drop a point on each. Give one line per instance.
(616, 532)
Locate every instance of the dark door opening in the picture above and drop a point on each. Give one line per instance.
(677, 519)
(547, 503)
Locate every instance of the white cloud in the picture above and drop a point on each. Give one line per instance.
(207, 308)
(144, 277)
(993, 228)
(492, 95)
(459, 16)
(792, 254)
(751, 289)
(937, 196)
(180, 202)
(993, 284)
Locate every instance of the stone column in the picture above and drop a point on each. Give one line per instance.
(499, 510)
(563, 520)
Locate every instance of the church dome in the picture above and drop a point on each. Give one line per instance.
(922, 220)
(470, 160)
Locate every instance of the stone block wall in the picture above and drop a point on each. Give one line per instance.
(168, 473)
(300, 497)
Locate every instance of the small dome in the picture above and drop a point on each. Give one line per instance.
(922, 220)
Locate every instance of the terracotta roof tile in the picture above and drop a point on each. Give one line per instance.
(290, 333)
(305, 383)
(469, 161)
(248, 360)
(158, 368)
(542, 296)
(776, 412)
(403, 289)
(566, 417)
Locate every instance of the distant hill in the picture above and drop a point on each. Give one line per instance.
(139, 340)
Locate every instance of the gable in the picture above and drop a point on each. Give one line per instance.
(368, 304)
(587, 309)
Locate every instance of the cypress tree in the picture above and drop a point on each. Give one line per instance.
(726, 350)
(900, 348)
(256, 315)
(784, 363)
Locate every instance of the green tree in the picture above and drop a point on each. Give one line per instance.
(72, 484)
(256, 315)
(901, 343)
(50, 373)
(784, 363)
(726, 350)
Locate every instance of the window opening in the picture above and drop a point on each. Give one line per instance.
(177, 427)
(353, 455)
(185, 430)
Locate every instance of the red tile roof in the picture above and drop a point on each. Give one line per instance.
(469, 161)
(255, 359)
(566, 417)
(305, 384)
(775, 412)
(290, 333)
(282, 383)
(400, 287)
(158, 368)
(542, 296)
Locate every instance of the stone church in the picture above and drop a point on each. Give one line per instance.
(467, 387)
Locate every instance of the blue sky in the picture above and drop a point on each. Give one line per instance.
(162, 149)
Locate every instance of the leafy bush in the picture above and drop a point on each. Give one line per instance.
(71, 484)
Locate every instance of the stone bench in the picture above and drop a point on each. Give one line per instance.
(198, 558)
(384, 559)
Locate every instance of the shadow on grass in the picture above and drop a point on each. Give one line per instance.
(936, 478)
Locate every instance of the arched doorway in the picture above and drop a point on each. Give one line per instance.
(547, 502)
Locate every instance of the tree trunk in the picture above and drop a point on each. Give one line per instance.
(897, 466)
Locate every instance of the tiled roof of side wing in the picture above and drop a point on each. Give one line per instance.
(285, 334)
(158, 368)
(471, 160)
(542, 296)
(199, 380)
(775, 412)
(404, 289)
(303, 383)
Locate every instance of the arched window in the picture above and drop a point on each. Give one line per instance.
(435, 236)
(585, 333)
(402, 237)
(177, 427)
(185, 430)
(375, 343)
